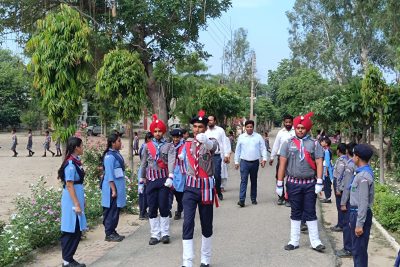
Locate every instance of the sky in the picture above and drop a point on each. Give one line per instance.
(267, 26)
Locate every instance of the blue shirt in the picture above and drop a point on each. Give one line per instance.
(250, 148)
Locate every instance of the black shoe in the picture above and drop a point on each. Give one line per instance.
(326, 201)
(113, 238)
(44, 156)
(53, 154)
(142, 218)
(165, 239)
(287, 204)
(178, 215)
(241, 203)
(170, 214)
(254, 202)
(220, 196)
(281, 202)
(343, 253)
(204, 265)
(290, 247)
(336, 229)
(74, 263)
(319, 248)
(153, 241)
(33, 153)
(303, 227)
(121, 236)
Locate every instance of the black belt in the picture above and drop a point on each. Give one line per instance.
(355, 208)
(250, 161)
(75, 182)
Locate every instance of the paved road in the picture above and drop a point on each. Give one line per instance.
(249, 236)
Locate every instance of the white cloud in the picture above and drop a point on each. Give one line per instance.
(250, 3)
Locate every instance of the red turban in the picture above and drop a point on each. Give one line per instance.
(304, 120)
(157, 123)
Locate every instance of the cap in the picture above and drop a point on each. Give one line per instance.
(200, 118)
(176, 132)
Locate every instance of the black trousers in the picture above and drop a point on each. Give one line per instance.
(143, 202)
(178, 197)
(70, 242)
(158, 198)
(347, 242)
(111, 216)
(191, 200)
(360, 244)
(340, 222)
(217, 172)
(302, 200)
(276, 177)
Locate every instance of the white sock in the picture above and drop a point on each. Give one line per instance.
(66, 262)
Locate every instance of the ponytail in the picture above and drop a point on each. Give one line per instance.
(72, 143)
(112, 138)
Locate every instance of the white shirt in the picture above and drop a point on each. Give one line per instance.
(250, 148)
(281, 137)
(219, 134)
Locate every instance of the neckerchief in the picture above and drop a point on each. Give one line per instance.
(179, 145)
(158, 145)
(302, 154)
(78, 165)
(365, 168)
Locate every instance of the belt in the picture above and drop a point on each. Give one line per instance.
(355, 208)
(250, 161)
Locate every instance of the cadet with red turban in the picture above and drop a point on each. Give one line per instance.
(156, 170)
(301, 160)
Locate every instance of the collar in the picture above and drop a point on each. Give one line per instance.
(306, 137)
(250, 134)
(366, 168)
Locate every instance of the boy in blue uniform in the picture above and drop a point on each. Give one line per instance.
(156, 170)
(179, 171)
(345, 202)
(73, 220)
(113, 191)
(301, 161)
(361, 200)
(328, 169)
(143, 214)
(199, 190)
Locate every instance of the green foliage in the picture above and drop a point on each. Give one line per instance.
(221, 102)
(14, 88)
(396, 147)
(60, 55)
(387, 207)
(121, 81)
(374, 91)
(265, 109)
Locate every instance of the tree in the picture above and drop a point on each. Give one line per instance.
(121, 81)
(374, 94)
(60, 55)
(14, 88)
(157, 30)
(221, 102)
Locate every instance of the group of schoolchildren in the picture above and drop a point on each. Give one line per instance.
(46, 144)
(180, 168)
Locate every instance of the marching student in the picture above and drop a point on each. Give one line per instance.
(14, 142)
(58, 147)
(156, 170)
(199, 190)
(301, 161)
(73, 219)
(361, 200)
(47, 143)
(113, 191)
(30, 143)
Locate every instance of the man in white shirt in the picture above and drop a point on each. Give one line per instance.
(250, 149)
(218, 133)
(284, 134)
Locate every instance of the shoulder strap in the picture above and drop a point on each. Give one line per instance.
(152, 149)
(192, 161)
(118, 158)
(307, 154)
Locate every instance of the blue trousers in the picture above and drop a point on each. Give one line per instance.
(111, 216)
(302, 200)
(327, 187)
(217, 161)
(360, 244)
(340, 222)
(246, 168)
(143, 202)
(178, 197)
(191, 200)
(70, 242)
(158, 198)
(347, 242)
(397, 263)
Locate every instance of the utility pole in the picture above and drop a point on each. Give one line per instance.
(253, 66)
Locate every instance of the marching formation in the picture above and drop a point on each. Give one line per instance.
(190, 170)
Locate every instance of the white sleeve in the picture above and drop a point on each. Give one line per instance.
(276, 146)
(228, 145)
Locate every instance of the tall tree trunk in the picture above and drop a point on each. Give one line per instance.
(381, 157)
(130, 149)
(156, 95)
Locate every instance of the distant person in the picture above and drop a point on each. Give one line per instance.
(232, 140)
(73, 219)
(47, 144)
(136, 143)
(14, 142)
(58, 147)
(266, 141)
(361, 200)
(337, 137)
(284, 134)
(224, 166)
(30, 143)
(250, 150)
(113, 189)
(143, 214)
(185, 134)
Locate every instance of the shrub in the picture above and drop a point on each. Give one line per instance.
(387, 207)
